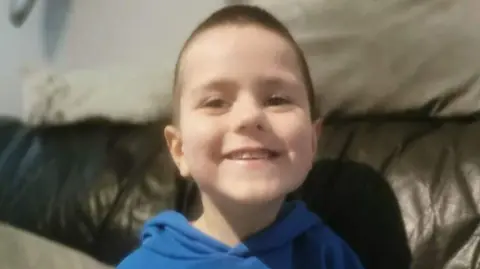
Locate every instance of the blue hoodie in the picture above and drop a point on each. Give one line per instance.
(298, 239)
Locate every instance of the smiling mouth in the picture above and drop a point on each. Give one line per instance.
(248, 155)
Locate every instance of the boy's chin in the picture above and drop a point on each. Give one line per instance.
(253, 198)
(248, 194)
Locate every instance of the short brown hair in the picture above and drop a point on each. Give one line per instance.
(244, 15)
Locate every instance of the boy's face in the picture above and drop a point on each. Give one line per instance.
(244, 131)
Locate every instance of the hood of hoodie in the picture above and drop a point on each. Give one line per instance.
(170, 234)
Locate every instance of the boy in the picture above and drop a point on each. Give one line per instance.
(245, 130)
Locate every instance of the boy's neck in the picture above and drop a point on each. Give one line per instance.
(231, 224)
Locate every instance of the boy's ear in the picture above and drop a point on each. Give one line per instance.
(175, 147)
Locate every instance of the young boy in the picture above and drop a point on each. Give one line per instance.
(245, 130)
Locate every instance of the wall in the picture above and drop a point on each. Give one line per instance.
(68, 34)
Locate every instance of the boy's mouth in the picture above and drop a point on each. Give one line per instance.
(246, 154)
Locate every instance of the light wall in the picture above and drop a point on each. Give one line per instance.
(69, 34)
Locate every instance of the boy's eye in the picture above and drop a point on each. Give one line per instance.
(215, 103)
(277, 101)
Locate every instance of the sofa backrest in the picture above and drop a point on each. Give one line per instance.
(89, 185)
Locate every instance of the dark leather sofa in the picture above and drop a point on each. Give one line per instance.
(402, 192)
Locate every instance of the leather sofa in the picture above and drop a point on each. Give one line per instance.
(398, 170)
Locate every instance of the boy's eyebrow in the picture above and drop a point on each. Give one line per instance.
(220, 84)
(279, 80)
(264, 82)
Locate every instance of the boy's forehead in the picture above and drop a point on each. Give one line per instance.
(222, 49)
(214, 42)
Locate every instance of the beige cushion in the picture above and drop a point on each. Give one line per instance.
(366, 57)
(23, 250)
(132, 93)
(388, 56)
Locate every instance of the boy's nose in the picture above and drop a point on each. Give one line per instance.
(248, 116)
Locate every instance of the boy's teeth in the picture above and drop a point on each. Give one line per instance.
(251, 155)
